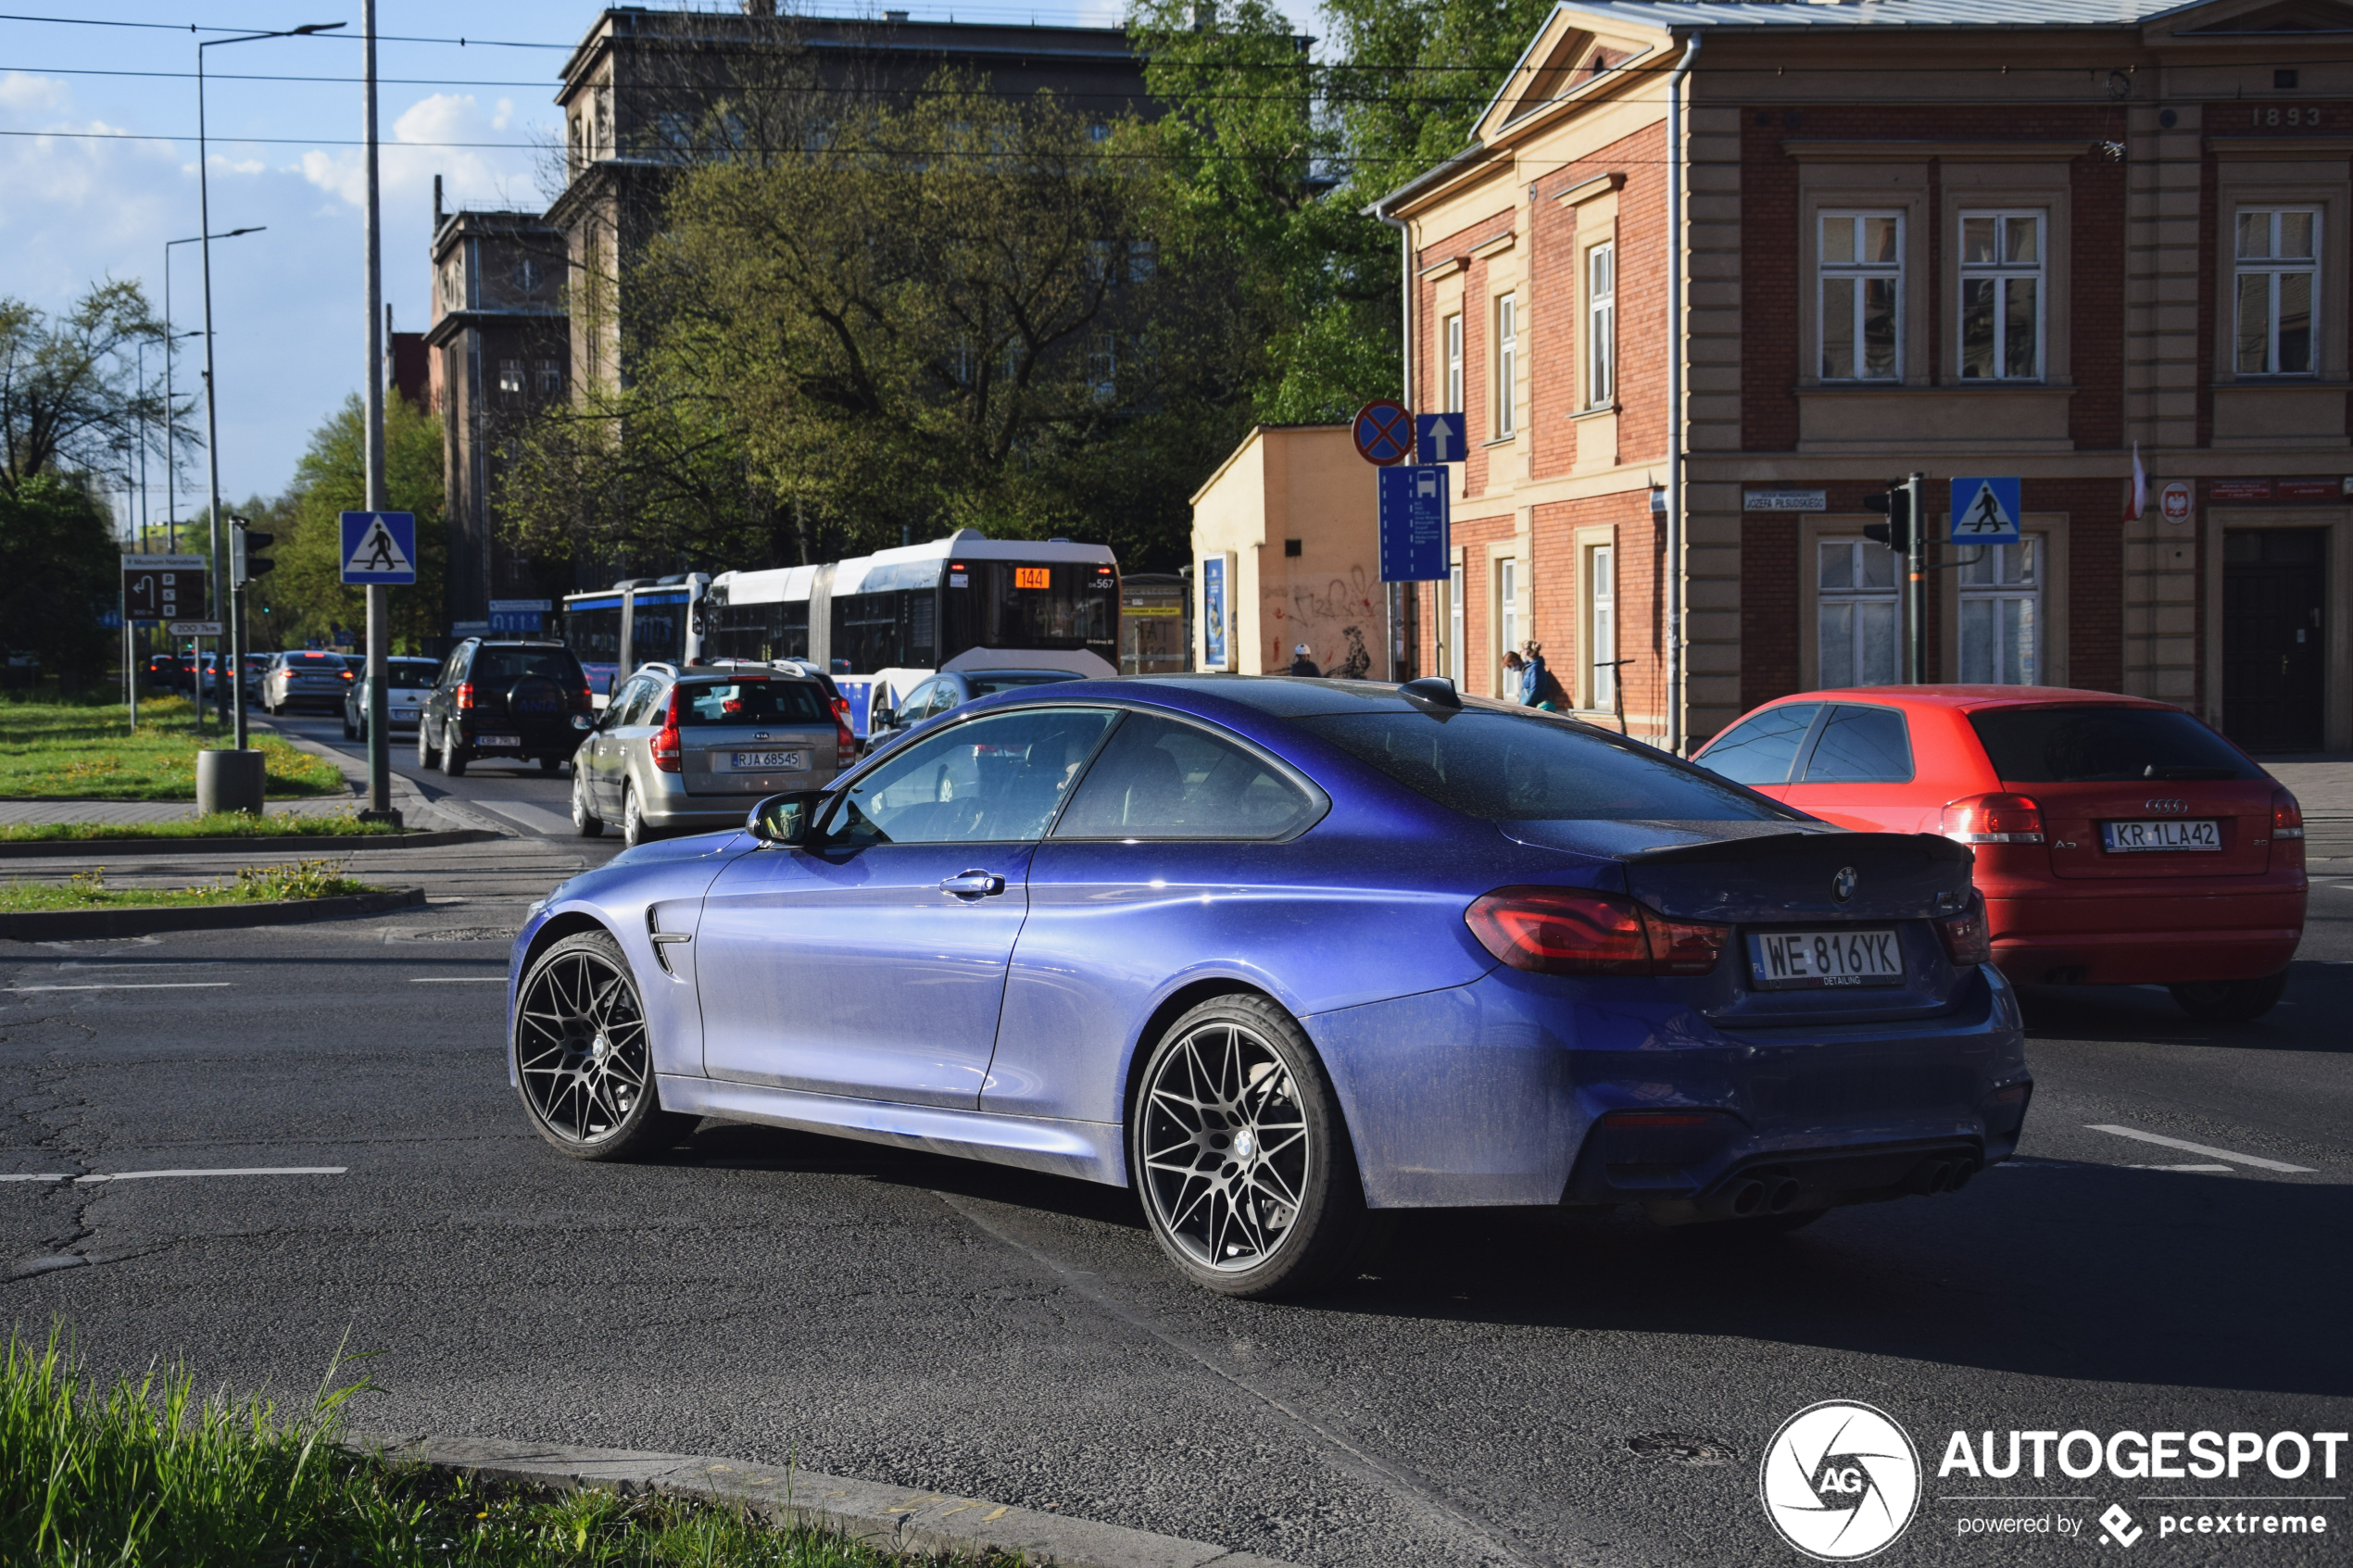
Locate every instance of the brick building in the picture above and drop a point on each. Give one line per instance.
(1961, 237)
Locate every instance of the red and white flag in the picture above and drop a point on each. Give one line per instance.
(2139, 488)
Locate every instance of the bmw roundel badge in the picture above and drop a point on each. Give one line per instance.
(1842, 885)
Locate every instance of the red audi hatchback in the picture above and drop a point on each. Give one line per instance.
(2119, 841)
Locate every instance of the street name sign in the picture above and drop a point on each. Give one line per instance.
(1384, 432)
(1413, 523)
(163, 588)
(1985, 512)
(194, 629)
(379, 548)
(1440, 438)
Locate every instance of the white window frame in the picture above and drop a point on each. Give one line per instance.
(1453, 339)
(1506, 365)
(2024, 596)
(1455, 664)
(513, 379)
(1506, 620)
(2001, 275)
(1860, 273)
(1601, 325)
(2276, 268)
(1102, 365)
(1600, 624)
(1826, 598)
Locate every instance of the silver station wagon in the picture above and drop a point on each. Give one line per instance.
(694, 749)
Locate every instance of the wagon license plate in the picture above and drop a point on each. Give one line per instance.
(515, 741)
(2195, 835)
(770, 761)
(1856, 956)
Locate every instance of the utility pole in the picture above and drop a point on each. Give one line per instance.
(379, 596)
(1915, 585)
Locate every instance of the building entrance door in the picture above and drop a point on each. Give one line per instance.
(2275, 589)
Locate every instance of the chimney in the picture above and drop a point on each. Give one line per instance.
(436, 203)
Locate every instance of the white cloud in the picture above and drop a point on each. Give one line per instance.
(23, 93)
(429, 138)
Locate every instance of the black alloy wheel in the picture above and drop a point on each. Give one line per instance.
(584, 1056)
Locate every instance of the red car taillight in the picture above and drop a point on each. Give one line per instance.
(583, 701)
(844, 739)
(1967, 940)
(1562, 931)
(2287, 817)
(667, 747)
(1993, 819)
(465, 694)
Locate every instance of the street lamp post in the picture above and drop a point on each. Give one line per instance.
(236, 660)
(172, 475)
(380, 808)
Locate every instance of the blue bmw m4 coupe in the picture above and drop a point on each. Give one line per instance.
(1284, 954)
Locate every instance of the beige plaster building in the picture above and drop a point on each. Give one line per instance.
(1290, 521)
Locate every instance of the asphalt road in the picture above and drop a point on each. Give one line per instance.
(1508, 1388)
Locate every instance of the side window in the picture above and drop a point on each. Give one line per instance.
(1162, 779)
(1759, 750)
(1862, 746)
(993, 781)
(937, 697)
(630, 706)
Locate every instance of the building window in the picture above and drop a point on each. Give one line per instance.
(1506, 620)
(1453, 364)
(2001, 623)
(1855, 613)
(1506, 363)
(2001, 297)
(2279, 262)
(1103, 366)
(1861, 301)
(527, 275)
(1600, 624)
(551, 378)
(511, 377)
(1143, 260)
(1454, 633)
(1601, 326)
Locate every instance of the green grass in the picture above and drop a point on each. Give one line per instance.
(88, 890)
(150, 1474)
(66, 751)
(219, 825)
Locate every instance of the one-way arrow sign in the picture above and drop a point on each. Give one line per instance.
(1439, 438)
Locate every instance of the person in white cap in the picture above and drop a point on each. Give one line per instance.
(1302, 663)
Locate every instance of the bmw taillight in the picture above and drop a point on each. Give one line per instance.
(465, 695)
(1567, 931)
(1968, 941)
(1993, 819)
(668, 748)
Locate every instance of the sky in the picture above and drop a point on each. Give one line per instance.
(99, 170)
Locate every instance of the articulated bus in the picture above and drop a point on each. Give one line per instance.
(886, 622)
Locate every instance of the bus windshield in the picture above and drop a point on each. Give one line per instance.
(1061, 605)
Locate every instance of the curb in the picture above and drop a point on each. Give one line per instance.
(35, 848)
(83, 925)
(407, 798)
(899, 1518)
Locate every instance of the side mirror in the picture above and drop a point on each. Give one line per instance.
(784, 819)
(583, 722)
(880, 717)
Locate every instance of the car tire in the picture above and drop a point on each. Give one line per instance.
(633, 818)
(2230, 1001)
(350, 730)
(425, 745)
(585, 820)
(453, 757)
(551, 764)
(1239, 1066)
(583, 1051)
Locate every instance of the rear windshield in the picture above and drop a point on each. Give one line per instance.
(497, 666)
(2103, 742)
(1505, 768)
(407, 676)
(324, 660)
(752, 702)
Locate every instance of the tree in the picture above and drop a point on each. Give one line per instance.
(59, 573)
(305, 596)
(72, 396)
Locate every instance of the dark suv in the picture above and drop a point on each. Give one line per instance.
(503, 699)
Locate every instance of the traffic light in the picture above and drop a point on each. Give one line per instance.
(245, 542)
(1896, 531)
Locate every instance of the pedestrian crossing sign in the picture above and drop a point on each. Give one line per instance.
(1985, 512)
(379, 548)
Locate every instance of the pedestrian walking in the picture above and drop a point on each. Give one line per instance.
(1302, 663)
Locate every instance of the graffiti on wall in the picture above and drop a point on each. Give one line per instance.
(1332, 615)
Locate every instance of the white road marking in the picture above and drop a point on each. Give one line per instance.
(2221, 1170)
(64, 1178)
(147, 963)
(2257, 1161)
(138, 986)
(538, 819)
(458, 980)
(229, 1170)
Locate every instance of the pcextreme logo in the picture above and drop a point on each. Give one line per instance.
(1840, 1481)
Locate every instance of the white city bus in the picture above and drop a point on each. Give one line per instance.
(889, 620)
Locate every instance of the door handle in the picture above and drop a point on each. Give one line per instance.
(974, 885)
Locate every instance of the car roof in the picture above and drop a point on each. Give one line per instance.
(1964, 698)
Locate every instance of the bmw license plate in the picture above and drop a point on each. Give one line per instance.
(2195, 835)
(498, 740)
(770, 761)
(1855, 956)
